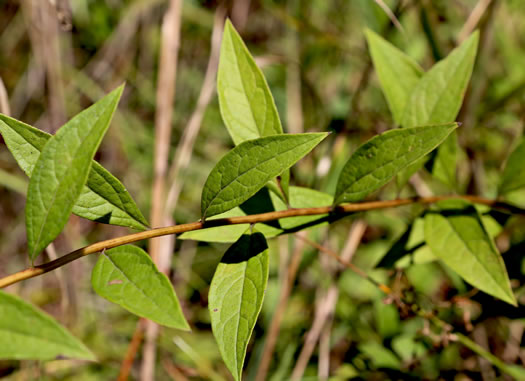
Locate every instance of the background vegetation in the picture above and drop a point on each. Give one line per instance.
(56, 58)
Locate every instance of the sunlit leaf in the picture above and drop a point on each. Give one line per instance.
(457, 236)
(374, 163)
(28, 333)
(249, 166)
(236, 296)
(127, 276)
(62, 170)
(398, 73)
(103, 198)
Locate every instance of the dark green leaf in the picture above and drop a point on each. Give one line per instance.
(236, 296)
(62, 170)
(457, 236)
(398, 73)
(374, 163)
(103, 198)
(249, 166)
(28, 333)
(127, 276)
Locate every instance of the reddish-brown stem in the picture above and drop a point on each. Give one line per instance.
(251, 219)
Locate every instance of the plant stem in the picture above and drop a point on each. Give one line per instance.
(250, 219)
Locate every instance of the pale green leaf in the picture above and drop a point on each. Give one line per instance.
(457, 236)
(62, 170)
(103, 198)
(397, 72)
(245, 101)
(513, 176)
(249, 166)
(438, 95)
(444, 168)
(28, 333)
(236, 296)
(374, 163)
(127, 276)
(246, 104)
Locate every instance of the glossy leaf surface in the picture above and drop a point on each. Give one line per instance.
(28, 333)
(236, 296)
(247, 168)
(398, 73)
(62, 170)
(457, 236)
(103, 198)
(374, 163)
(127, 276)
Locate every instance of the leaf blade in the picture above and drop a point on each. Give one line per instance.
(397, 72)
(439, 93)
(246, 103)
(249, 166)
(28, 333)
(127, 276)
(102, 196)
(236, 296)
(468, 249)
(374, 163)
(61, 171)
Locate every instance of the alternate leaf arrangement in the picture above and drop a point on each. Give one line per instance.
(64, 179)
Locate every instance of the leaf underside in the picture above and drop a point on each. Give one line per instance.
(127, 276)
(236, 296)
(28, 333)
(457, 236)
(103, 198)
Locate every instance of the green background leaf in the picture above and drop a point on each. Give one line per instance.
(236, 296)
(103, 198)
(249, 166)
(513, 176)
(397, 72)
(28, 333)
(438, 95)
(127, 276)
(374, 163)
(62, 170)
(457, 236)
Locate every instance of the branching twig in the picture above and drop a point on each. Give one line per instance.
(250, 219)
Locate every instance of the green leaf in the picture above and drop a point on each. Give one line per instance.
(103, 198)
(444, 168)
(513, 176)
(374, 163)
(457, 236)
(62, 170)
(438, 95)
(245, 101)
(249, 166)
(127, 276)
(236, 296)
(397, 72)
(28, 333)
(246, 104)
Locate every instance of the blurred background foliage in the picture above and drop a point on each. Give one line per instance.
(57, 57)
